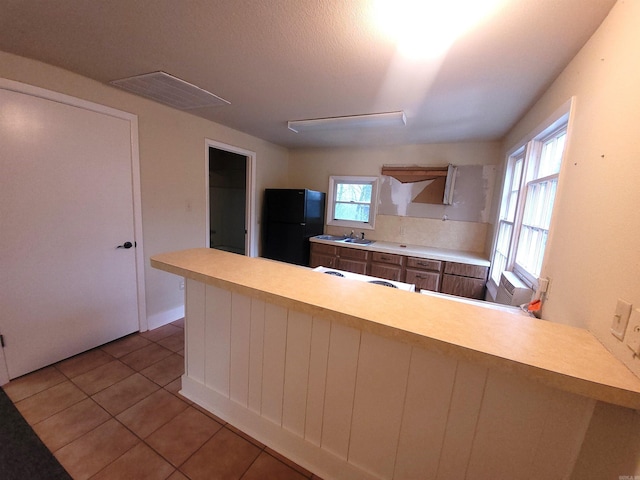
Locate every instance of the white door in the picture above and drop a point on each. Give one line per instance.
(66, 203)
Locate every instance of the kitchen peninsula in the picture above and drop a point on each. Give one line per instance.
(359, 381)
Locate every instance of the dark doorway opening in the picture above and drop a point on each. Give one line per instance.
(227, 200)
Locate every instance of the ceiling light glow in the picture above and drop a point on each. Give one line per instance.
(427, 28)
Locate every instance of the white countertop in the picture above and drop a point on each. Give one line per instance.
(409, 250)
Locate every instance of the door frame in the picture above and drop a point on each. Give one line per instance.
(24, 88)
(250, 241)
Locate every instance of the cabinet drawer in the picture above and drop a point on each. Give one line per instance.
(423, 280)
(325, 249)
(387, 258)
(386, 271)
(463, 286)
(466, 270)
(354, 253)
(424, 264)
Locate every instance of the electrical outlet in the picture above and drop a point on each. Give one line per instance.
(620, 319)
(633, 336)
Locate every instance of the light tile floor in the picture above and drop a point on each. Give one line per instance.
(114, 412)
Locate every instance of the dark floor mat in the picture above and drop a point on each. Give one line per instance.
(22, 454)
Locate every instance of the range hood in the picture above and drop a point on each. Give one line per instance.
(439, 191)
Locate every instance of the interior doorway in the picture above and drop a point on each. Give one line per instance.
(230, 206)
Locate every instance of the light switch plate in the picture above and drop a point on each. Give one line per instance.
(620, 319)
(633, 337)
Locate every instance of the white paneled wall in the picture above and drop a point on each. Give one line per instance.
(350, 404)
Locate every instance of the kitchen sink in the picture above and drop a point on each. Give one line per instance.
(345, 239)
(331, 237)
(359, 241)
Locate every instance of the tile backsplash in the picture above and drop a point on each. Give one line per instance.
(454, 235)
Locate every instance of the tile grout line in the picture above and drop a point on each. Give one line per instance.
(138, 437)
(65, 377)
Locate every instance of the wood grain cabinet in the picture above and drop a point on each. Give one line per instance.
(464, 280)
(341, 258)
(424, 273)
(323, 255)
(353, 260)
(461, 279)
(387, 266)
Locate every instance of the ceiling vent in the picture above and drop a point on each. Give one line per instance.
(170, 90)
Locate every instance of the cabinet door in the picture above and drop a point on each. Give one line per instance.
(323, 255)
(353, 266)
(322, 260)
(386, 271)
(463, 286)
(423, 280)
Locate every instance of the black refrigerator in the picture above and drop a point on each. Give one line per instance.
(290, 218)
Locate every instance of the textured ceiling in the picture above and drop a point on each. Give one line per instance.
(280, 60)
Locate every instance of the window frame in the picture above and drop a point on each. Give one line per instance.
(530, 149)
(504, 213)
(335, 180)
(534, 160)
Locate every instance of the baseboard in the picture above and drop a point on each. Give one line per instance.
(162, 318)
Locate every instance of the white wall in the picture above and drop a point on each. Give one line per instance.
(593, 254)
(311, 168)
(172, 164)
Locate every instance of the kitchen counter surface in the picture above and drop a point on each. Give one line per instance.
(556, 355)
(413, 251)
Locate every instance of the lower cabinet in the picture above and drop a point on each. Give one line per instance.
(464, 280)
(387, 266)
(353, 260)
(424, 273)
(341, 258)
(454, 278)
(323, 255)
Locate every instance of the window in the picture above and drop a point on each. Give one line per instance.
(531, 181)
(352, 201)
